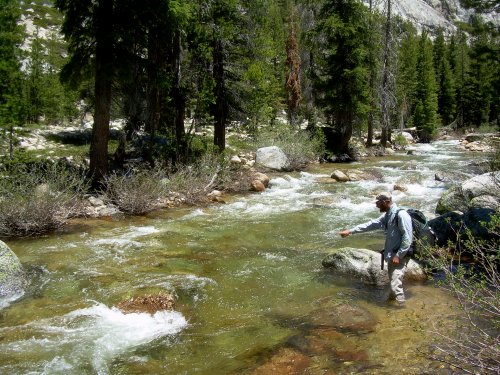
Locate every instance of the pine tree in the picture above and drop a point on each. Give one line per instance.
(426, 91)
(12, 106)
(293, 64)
(479, 89)
(263, 57)
(88, 26)
(341, 74)
(227, 34)
(406, 77)
(373, 64)
(35, 85)
(460, 65)
(444, 79)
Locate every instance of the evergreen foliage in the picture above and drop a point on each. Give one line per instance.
(341, 73)
(11, 93)
(444, 79)
(425, 117)
(479, 87)
(222, 62)
(406, 76)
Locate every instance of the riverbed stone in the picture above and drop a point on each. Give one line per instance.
(364, 264)
(149, 303)
(338, 346)
(474, 137)
(344, 317)
(339, 176)
(285, 361)
(262, 177)
(257, 185)
(364, 175)
(272, 157)
(12, 275)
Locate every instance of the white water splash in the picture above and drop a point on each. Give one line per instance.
(274, 257)
(127, 239)
(96, 332)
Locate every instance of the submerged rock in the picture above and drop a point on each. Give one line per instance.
(150, 303)
(285, 361)
(364, 264)
(344, 317)
(12, 275)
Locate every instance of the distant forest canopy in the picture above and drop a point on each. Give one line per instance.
(325, 63)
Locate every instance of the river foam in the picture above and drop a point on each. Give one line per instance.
(98, 332)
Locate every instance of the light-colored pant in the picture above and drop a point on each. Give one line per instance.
(396, 274)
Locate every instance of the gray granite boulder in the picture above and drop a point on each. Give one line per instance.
(272, 157)
(452, 200)
(12, 276)
(481, 191)
(364, 264)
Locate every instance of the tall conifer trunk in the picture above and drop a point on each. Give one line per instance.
(178, 97)
(386, 121)
(371, 113)
(103, 79)
(220, 111)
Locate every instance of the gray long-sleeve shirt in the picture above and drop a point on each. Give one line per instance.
(398, 233)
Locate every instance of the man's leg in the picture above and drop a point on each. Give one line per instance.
(396, 274)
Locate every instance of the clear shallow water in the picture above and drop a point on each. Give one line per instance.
(252, 294)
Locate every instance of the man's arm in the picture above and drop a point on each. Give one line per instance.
(378, 223)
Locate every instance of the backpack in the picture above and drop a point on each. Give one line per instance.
(422, 233)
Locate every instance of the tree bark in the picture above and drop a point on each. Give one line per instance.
(179, 99)
(386, 121)
(103, 79)
(220, 109)
(371, 117)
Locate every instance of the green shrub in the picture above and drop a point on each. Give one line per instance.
(474, 347)
(39, 198)
(400, 141)
(136, 192)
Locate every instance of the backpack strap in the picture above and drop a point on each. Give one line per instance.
(396, 216)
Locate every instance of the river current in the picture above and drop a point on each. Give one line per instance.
(252, 295)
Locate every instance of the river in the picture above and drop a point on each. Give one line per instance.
(252, 295)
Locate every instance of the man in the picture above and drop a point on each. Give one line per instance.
(399, 236)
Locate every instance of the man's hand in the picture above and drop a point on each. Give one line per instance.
(345, 233)
(395, 259)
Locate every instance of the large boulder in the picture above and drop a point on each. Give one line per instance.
(481, 191)
(273, 158)
(12, 276)
(364, 264)
(452, 200)
(445, 227)
(485, 184)
(339, 176)
(452, 225)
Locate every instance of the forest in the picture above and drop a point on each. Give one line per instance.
(328, 70)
